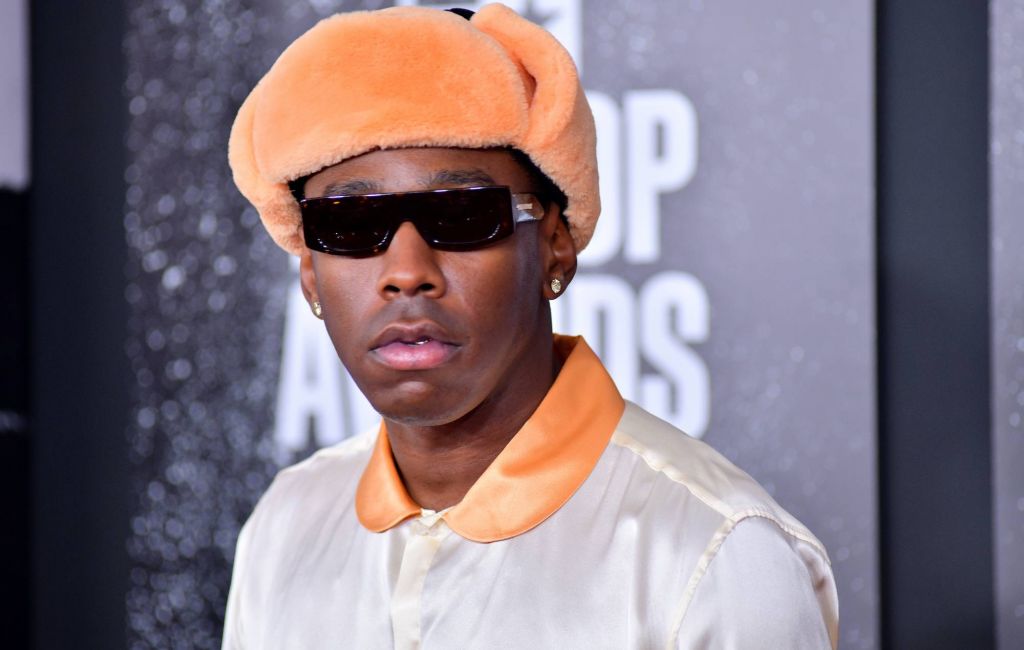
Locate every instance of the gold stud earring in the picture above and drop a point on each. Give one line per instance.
(556, 285)
(318, 311)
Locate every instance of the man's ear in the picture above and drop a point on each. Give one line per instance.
(307, 276)
(558, 251)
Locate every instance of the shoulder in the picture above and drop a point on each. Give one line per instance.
(348, 453)
(759, 587)
(758, 569)
(696, 468)
(315, 487)
(303, 499)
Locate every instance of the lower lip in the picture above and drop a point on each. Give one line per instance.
(402, 356)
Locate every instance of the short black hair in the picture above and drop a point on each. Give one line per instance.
(465, 13)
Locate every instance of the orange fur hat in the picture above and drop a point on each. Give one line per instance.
(408, 77)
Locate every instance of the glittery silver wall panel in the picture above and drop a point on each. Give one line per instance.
(729, 288)
(1007, 156)
(206, 289)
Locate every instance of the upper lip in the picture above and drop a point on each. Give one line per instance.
(409, 332)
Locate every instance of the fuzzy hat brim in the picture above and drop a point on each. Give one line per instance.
(414, 77)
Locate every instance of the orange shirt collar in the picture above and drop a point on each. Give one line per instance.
(540, 468)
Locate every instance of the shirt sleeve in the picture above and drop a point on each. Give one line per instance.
(233, 638)
(762, 589)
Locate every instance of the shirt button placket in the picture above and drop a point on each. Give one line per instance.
(406, 612)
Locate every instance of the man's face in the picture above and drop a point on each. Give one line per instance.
(430, 335)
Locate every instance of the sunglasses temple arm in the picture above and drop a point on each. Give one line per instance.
(521, 206)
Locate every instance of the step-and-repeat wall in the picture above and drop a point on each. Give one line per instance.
(729, 287)
(1007, 167)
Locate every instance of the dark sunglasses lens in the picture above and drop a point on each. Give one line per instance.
(460, 219)
(464, 219)
(347, 225)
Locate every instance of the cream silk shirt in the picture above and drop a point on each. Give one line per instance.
(598, 526)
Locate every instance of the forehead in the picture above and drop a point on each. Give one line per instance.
(402, 170)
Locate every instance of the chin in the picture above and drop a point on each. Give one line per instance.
(422, 405)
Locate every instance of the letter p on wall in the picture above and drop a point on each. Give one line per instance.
(661, 157)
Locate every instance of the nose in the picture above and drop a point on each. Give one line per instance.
(410, 266)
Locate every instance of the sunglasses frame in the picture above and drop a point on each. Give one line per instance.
(314, 212)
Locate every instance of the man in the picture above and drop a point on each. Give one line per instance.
(445, 169)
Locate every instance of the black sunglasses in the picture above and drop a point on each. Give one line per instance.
(361, 225)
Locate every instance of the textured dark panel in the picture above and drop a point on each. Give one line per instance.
(79, 384)
(933, 324)
(206, 289)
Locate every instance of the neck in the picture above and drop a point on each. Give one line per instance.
(438, 464)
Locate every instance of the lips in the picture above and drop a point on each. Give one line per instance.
(416, 346)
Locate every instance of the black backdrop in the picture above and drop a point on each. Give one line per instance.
(81, 494)
(933, 325)
(933, 290)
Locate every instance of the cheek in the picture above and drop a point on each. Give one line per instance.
(501, 291)
(522, 273)
(347, 288)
